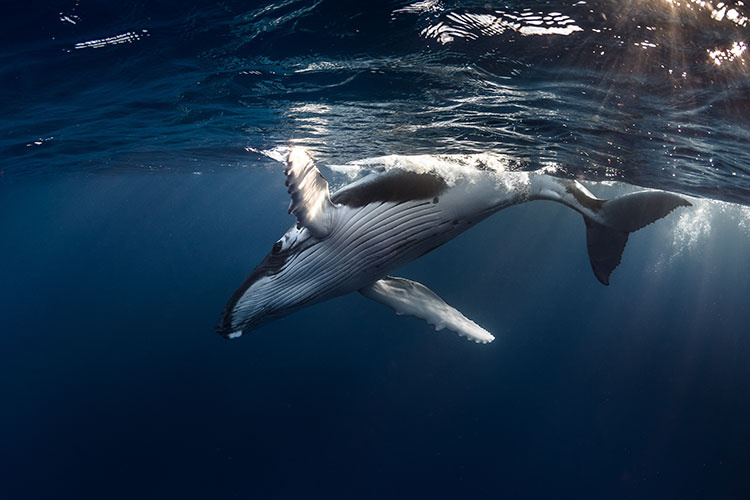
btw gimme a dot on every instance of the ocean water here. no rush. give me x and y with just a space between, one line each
135 198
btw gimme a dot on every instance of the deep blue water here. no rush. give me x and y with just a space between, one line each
134 201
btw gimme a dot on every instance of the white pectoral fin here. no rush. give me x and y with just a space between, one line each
311 201
409 298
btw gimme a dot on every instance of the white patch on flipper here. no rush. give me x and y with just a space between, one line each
311 202
234 335
409 298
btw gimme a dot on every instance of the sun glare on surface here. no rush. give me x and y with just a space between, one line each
720 13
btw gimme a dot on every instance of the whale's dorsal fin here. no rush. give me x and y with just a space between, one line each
311 201
409 298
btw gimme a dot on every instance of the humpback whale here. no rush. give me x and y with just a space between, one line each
353 239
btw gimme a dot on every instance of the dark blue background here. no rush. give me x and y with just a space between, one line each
114 384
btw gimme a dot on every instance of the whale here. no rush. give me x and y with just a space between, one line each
354 239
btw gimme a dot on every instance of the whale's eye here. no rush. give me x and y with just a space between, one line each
276 247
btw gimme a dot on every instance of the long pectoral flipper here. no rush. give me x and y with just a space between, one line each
409 298
311 201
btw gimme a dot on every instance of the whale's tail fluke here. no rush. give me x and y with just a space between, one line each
608 222
616 219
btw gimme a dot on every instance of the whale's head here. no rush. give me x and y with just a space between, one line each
291 276
332 249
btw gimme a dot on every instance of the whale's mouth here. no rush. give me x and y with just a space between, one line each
238 316
286 279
